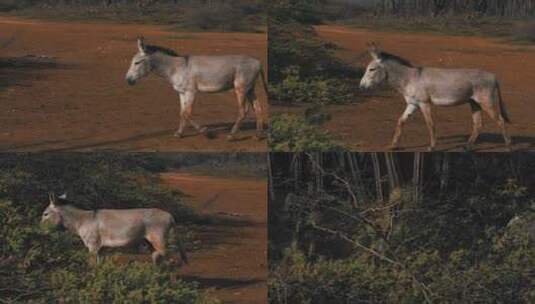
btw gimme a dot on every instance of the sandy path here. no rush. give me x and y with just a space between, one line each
369 125
233 255
84 103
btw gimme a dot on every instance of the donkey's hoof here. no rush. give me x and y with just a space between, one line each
430 149
468 148
231 137
393 148
203 130
178 135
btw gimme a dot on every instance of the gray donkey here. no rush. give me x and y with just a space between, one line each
190 75
422 87
113 227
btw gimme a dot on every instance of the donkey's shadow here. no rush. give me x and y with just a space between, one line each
519 143
217 129
458 143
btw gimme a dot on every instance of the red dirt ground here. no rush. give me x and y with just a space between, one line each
84 104
232 261
368 125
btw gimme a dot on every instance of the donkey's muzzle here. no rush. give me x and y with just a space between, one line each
130 81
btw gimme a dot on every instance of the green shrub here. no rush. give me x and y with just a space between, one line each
300 279
294 89
525 32
132 283
295 133
218 17
302 67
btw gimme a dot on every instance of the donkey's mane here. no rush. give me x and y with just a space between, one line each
65 202
151 49
402 61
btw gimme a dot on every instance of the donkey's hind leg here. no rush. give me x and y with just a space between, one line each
489 108
242 111
157 240
251 97
477 124
426 111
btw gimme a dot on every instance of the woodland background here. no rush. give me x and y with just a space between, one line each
401 228
191 15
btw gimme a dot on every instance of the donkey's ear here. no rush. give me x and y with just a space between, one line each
374 50
52 198
141 44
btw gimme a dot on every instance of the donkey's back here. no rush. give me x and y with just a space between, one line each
448 87
223 72
144 218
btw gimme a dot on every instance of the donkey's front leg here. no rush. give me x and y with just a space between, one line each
186 110
242 112
409 110
94 250
426 111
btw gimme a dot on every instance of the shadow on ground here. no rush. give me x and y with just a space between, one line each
15 71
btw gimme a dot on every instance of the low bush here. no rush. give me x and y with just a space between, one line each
300 133
218 17
525 32
303 68
294 89
455 279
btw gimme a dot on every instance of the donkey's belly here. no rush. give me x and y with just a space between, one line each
447 102
213 88
115 242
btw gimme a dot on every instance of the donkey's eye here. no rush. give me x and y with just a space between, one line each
138 62
373 69
46 214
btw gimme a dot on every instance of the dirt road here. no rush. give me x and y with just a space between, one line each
233 256
62 88
369 125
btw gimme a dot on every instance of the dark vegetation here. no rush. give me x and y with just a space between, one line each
301 133
190 15
401 228
510 19
251 165
303 71
303 68
41 266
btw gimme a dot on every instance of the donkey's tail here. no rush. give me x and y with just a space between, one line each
503 110
264 82
180 245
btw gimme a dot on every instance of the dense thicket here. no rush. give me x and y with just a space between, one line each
23 3
401 228
502 8
207 15
303 68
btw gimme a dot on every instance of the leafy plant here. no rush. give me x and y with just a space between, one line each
300 133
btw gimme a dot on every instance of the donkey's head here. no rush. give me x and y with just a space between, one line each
52 214
140 66
376 70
